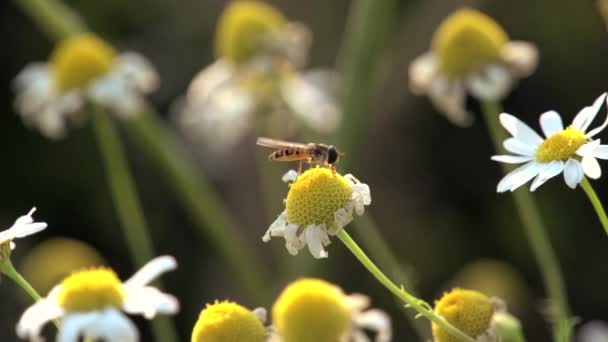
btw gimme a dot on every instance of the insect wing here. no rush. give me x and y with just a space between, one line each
280 144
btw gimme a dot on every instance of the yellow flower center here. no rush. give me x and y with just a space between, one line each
91 289
316 195
470 311
311 310
227 321
561 145
242 28
80 59
466 41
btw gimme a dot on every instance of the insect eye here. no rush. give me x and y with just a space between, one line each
332 155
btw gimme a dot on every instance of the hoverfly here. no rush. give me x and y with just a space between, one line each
311 153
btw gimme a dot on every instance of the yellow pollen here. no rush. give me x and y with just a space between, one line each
316 195
243 26
311 310
561 145
466 41
91 289
80 59
470 311
227 321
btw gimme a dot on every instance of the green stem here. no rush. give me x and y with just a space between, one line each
534 229
419 305
53 17
130 214
367 230
595 201
210 217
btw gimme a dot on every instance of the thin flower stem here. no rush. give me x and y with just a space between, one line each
419 305
130 214
595 201
535 231
53 17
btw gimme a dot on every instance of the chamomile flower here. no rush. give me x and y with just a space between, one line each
259 54
471 312
22 227
470 53
229 321
89 302
310 310
319 203
571 150
82 69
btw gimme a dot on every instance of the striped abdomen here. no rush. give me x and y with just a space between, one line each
289 154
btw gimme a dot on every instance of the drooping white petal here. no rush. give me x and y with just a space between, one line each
138 71
22 227
583 119
290 176
152 270
449 98
343 217
591 167
37 315
314 104
117 94
551 170
516 146
376 321
107 325
148 301
422 71
520 130
316 238
598 129
551 123
493 83
519 176
511 159
573 173
520 57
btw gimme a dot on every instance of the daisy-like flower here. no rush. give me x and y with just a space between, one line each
229 321
22 227
571 150
256 74
310 310
470 53
89 302
471 312
320 202
82 69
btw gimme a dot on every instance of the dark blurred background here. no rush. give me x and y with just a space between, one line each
433 191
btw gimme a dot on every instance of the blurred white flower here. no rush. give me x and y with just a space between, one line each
89 303
594 331
83 69
22 227
571 150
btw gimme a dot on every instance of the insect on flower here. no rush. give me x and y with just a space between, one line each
311 153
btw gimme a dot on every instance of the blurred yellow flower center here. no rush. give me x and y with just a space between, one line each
227 321
89 290
316 195
311 310
466 41
561 145
80 59
243 26
470 311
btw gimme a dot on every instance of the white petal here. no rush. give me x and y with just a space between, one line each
422 71
551 123
36 316
591 167
493 83
520 130
290 176
518 147
148 301
117 94
587 149
573 173
137 70
152 270
519 176
343 217
449 98
552 169
511 159
316 237
376 321
594 331
261 314
583 119
598 129
600 152
108 325
313 104
22 227
520 57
